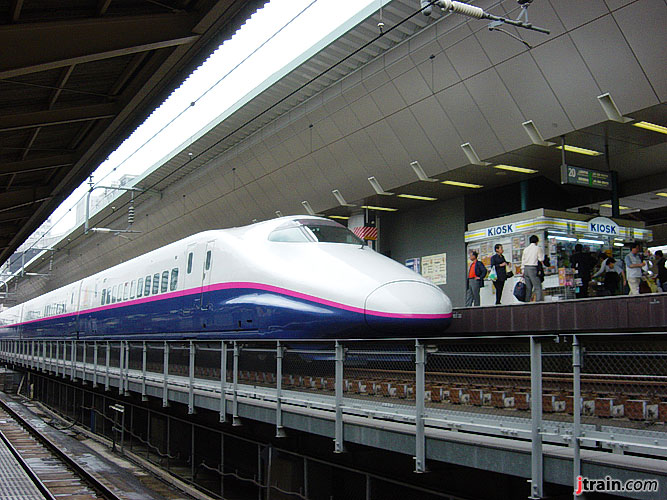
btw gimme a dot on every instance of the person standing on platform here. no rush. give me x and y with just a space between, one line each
532 254
500 264
476 275
583 263
612 275
633 265
660 262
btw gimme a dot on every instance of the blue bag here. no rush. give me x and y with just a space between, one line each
520 290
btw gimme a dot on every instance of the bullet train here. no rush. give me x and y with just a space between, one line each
298 277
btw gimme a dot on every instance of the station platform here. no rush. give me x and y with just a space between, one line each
638 313
457 401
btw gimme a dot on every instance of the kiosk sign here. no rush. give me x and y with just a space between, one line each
500 230
603 225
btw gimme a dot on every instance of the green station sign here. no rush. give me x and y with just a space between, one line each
585 177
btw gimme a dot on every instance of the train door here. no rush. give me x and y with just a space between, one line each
207 270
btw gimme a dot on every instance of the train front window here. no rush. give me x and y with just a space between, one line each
314 230
330 232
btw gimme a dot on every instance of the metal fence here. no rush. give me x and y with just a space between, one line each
604 392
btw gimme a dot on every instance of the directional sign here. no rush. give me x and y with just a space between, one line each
585 177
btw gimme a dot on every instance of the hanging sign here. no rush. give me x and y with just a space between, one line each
603 225
585 177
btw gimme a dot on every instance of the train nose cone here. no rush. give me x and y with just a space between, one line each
408 305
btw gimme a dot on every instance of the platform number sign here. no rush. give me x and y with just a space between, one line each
585 177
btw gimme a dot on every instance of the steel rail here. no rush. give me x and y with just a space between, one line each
100 488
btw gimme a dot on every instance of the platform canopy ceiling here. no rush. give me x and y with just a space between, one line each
77 77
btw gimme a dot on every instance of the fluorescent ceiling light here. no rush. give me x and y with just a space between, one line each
563 238
386 209
617 244
651 126
341 217
608 205
462 184
416 197
512 168
581 151
664 195
592 242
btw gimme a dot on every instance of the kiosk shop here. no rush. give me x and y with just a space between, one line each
559 232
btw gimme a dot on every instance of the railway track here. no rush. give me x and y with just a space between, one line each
52 474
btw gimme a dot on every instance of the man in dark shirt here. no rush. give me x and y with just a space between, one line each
583 263
662 270
498 261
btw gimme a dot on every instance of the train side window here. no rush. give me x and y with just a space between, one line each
113 294
140 287
126 291
173 283
147 286
165 281
208 260
190 256
108 295
156 283
104 296
133 287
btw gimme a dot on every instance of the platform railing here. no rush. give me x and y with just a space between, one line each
596 391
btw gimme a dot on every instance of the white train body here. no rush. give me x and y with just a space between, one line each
292 277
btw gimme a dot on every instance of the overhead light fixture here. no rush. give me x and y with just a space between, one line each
462 184
563 238
416 197
664 195
472 156
611 110
340 199
592 242
512 168
308 208
376 186
608 205
385 209
420 172
341 217
534 134
651 126
617 244
581 151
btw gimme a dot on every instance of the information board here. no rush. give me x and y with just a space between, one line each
434 267
585 177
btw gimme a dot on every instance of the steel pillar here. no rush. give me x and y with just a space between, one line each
536 481
339 447
95 355
165 376
420 439
280 350
576 408
143 371
121 364
235 401
191 380
223 381
108 363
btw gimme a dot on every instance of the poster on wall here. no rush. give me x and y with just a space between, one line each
434 267
413 264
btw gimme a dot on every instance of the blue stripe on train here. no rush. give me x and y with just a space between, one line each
233 313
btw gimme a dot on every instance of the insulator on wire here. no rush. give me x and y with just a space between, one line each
130 214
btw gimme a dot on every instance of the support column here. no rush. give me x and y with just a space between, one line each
223 382
191 380
143 372
235 402
95 353
108 363
576 408
73 362
536 481
126 385
121 364
280 432
420 438
165 376
338 434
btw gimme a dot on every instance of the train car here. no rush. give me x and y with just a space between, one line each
292 277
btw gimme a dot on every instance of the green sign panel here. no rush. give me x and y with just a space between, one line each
585 177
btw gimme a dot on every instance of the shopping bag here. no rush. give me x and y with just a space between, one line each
492 275
520 290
